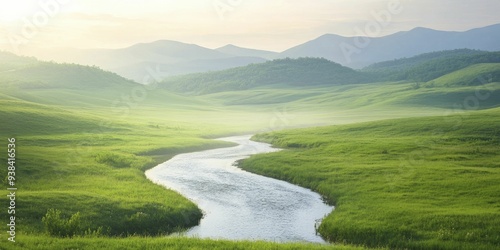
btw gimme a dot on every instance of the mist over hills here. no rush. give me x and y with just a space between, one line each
177 58
438 79
471 65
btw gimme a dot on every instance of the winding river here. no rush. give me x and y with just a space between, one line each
239 205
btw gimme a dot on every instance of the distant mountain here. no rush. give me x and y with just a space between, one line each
287 72
429 66
163 51
142 70
358 52
171 51
173 58
168 57
239 51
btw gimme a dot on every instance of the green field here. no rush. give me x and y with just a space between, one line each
84 138
417 183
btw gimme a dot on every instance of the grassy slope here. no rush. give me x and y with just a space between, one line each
82 150
474 75
69 162
414 183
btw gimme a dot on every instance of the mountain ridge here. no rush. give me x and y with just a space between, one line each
174 55
240 51
416 41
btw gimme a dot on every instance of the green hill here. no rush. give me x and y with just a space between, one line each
91 162
64 84
429 66
478 74
44 75
287 72
9 61
30 80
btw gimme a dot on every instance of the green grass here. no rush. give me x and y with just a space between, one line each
181 243
417 183
90 159
69 161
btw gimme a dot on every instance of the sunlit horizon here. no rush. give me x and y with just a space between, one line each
31 25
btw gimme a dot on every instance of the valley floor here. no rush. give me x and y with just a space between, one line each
416 183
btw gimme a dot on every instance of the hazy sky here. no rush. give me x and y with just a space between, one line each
265 24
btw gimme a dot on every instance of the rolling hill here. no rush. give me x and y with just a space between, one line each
44 75
300 72
474 75
450 78
63 84
428 66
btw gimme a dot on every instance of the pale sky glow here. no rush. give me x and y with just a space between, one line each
264 24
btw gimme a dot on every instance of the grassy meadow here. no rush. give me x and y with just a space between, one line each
414 183
66 161
429 180
91 161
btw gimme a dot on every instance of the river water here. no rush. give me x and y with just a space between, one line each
239 205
